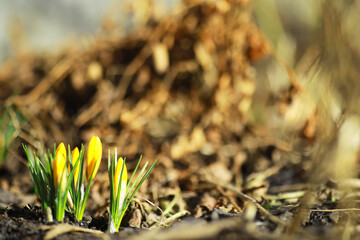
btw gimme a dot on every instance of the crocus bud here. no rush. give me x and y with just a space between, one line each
94 154
117 174
59 170
74 157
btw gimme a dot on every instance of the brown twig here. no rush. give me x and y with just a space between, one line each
231 199
57 73
337 210
54 231
247 198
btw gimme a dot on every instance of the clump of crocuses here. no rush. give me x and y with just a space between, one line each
121 191
59 181
61 186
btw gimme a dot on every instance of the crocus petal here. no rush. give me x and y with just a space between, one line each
117 174
59 170
74 157
94 154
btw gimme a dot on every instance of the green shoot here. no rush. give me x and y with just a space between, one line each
58 180
51 182
121 192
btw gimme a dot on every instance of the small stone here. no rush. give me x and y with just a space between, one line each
335 216
135 220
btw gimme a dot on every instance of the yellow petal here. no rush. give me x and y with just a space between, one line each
94 154
63 179
59 170
117 174
74 156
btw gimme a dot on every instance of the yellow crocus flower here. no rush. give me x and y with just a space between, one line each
94 154
117 174
74 157
59 170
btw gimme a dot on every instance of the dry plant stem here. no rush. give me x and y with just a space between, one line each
60 229
286 195
261 176
231 198
58 72
171 204
175 216
247 198
169 220
337 210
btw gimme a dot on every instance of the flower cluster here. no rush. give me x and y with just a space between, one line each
61 186
59 179
122 191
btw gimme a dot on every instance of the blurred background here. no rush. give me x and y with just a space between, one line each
259 94
48 26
